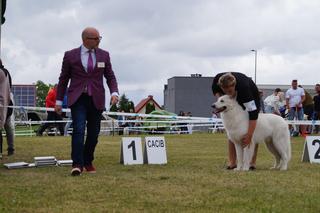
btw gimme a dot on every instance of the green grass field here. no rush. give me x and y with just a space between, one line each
194 180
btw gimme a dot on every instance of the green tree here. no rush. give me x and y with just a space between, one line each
131 106
150 107
42 91
113 108
124 103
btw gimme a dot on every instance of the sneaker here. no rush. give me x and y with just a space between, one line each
76 171
90 169
10 151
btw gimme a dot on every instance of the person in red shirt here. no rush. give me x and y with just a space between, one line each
52 115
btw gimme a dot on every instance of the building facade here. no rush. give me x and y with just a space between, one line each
24 95
189 94
141 106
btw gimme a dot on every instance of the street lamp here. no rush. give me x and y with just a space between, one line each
255 65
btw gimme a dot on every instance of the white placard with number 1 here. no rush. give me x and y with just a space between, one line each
311 149
131 151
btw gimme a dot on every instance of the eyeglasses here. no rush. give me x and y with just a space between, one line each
95 38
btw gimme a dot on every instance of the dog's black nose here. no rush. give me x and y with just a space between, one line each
213 106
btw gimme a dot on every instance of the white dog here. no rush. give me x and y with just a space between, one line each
271 129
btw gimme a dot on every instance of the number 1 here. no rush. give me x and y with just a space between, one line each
133 145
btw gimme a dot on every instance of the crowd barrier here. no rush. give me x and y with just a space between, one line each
165 124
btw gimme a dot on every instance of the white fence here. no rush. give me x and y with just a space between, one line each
142 123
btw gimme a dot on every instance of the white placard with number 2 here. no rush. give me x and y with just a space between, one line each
311 150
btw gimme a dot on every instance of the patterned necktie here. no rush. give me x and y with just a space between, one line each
89 70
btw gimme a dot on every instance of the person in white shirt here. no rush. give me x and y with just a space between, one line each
294 98
282 104
272 102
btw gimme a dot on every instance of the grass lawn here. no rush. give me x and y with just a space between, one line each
194 180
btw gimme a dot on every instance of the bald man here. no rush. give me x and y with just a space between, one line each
85 67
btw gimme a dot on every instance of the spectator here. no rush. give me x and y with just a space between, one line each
52 115
189 125
183 126
67 114
262 107
316 100
6 114
4 96
294 99
272 102
138 124
308 106
122 122
282 104
131 118
10 129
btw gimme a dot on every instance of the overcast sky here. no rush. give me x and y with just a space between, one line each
151 41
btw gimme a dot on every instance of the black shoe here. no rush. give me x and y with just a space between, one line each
252 168
231 167
10 151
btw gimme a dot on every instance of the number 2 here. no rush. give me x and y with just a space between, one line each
317 154
133 145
